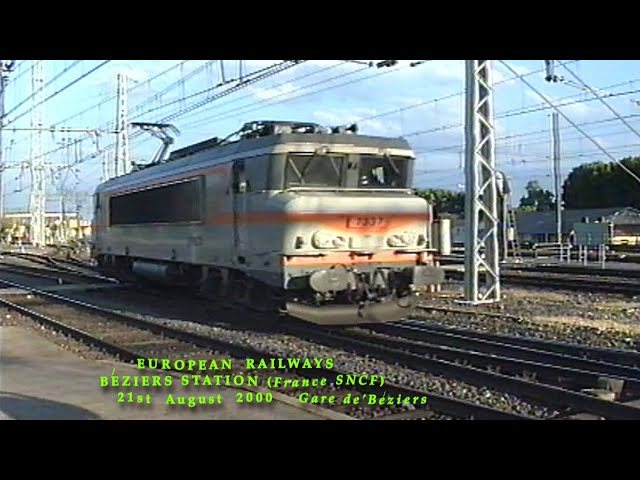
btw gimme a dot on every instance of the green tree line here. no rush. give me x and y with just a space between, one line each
591 185
443 201
602 185
447 201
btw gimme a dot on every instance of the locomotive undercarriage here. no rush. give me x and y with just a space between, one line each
333 296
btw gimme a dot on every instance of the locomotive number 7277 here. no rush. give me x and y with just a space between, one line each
367 222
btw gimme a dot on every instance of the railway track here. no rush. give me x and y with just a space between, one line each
518 343
38 273
449 352
59 276
446 361
563 282
577 270
70 265
129 338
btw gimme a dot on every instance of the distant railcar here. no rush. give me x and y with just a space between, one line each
292 216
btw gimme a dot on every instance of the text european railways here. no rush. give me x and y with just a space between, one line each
226 363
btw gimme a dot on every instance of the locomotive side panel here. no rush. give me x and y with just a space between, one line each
222 227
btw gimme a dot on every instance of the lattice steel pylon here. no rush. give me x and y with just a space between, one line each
37 160
121 158
5 69
482 262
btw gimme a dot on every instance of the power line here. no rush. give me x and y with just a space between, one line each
460 147
519 112
445 97
113 96
209 99
246 80
609 107
273 70
70 84
27 68
43 87
234 100
574 125
243 109
175 84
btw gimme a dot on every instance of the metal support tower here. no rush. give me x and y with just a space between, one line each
5 69
121 158
555 126
37 161
482 265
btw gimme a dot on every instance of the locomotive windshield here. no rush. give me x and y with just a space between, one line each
314 171
330 171
382 172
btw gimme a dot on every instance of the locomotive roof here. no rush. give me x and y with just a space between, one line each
207 153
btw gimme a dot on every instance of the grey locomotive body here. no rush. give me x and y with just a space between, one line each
322 224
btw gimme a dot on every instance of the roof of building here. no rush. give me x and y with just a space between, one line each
47 215
545 222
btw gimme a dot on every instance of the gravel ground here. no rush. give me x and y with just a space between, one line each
594 319
8 318
281 345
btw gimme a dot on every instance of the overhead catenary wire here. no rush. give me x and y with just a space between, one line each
15 107
519 112
245 83
105 126
277 68
113 96
454 170
377 115
243 110
276 86
247 78
288 93
236 99
595 142
276 96
609 107
59 91
439 128
179 82
501 140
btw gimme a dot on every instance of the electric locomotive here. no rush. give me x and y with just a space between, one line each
320 223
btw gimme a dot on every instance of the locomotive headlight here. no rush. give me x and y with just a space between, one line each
322 239
340 242
403 239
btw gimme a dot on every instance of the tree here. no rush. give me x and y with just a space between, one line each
443 201
602 185
537 199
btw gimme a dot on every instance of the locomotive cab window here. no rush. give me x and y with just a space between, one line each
382 172
314 171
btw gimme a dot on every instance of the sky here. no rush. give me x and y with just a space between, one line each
424 104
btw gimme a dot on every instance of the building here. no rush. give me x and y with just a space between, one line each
457 228
540 227
15 227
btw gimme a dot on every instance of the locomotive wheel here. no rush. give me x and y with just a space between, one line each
263 298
